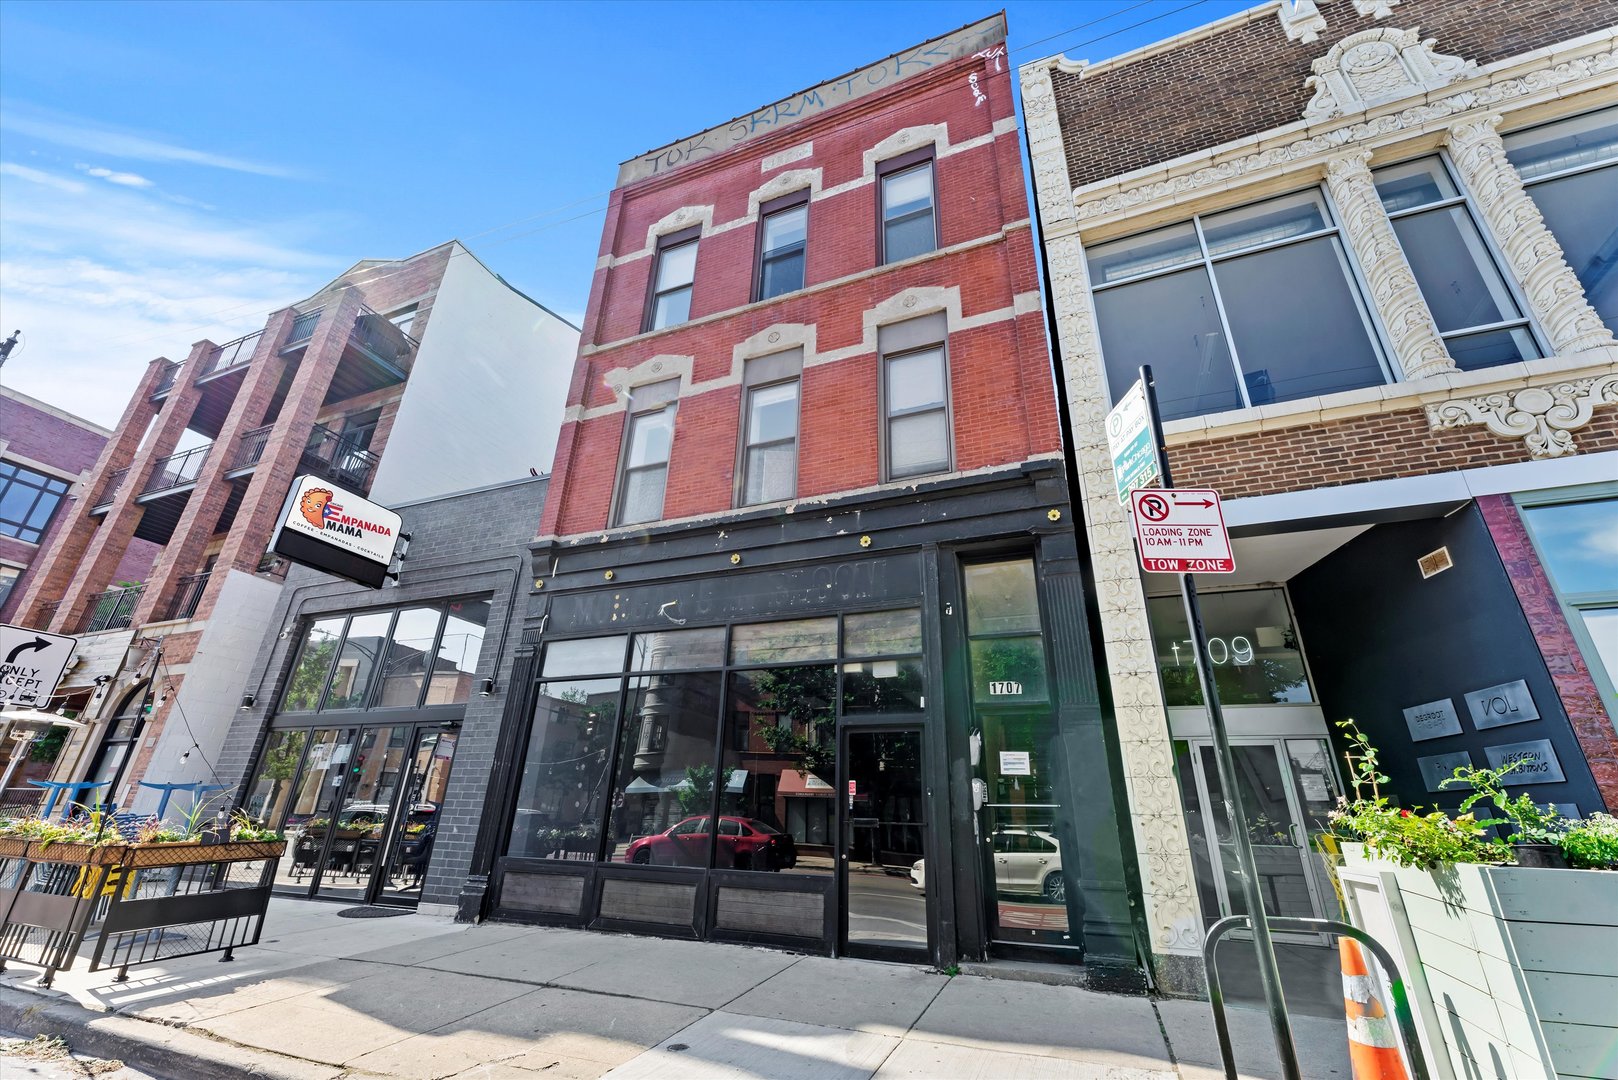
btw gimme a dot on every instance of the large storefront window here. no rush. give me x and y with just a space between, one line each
406 658
1575 541
724 752
1251 643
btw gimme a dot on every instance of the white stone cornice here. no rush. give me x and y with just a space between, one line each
1543 76
1543 417
1552 288
1416 342
1374 67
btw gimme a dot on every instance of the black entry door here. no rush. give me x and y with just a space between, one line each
884 845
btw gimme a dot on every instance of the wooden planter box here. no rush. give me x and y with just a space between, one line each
1513 971
182 853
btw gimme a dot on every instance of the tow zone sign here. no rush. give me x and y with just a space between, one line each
1181 531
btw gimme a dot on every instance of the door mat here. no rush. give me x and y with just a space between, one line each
372 912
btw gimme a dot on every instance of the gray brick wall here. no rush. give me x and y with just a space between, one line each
469 544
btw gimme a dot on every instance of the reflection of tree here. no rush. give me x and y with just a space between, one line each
1261 682
863 691
696 792
303 690
1019 660
804 696
279 765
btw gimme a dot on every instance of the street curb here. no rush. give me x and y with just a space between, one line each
168 1053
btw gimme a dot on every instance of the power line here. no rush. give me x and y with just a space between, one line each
1121 29
1082 26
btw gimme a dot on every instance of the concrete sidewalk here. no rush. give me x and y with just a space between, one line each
421 997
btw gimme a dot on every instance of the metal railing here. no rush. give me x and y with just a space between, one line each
231 354
166 381
251 447
303 326
176 470
47 612
109 488
187 595
339 459
112 610
376 335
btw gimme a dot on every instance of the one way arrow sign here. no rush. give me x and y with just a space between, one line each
31 664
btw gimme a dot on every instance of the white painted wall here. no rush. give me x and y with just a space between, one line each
211 694
485 397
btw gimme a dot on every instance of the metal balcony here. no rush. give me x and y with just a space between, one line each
251 447
166 381
187 595
112 610
176 471
230 355
303 328
338 459
109 491
383 342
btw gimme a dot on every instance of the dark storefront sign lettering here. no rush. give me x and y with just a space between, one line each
823 588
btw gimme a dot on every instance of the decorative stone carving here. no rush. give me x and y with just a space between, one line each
675 220
1551 286
1374 67
1301 20
1544 417
1377 9
1416 344
1051 184
1582 69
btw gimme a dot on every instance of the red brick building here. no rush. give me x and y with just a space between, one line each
381 382
1368 250
811 473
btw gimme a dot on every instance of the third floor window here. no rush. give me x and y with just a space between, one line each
909 226
676 268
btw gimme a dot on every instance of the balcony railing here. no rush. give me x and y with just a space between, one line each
379 337
230 354
112 610
177 470
109 489
339 459
166 381
303 327
188 595
251 447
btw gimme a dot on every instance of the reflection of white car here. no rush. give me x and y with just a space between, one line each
918 875
1029 861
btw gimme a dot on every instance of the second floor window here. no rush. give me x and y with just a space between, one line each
915 397
648 439
770 454
28 500
1475 310
782 248
676 269
1245 307
909 226
1570 169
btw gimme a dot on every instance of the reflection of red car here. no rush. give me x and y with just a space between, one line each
744 844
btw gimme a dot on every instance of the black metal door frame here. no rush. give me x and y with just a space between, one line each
399 816
928 834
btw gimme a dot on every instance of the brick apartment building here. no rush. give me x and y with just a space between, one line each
806 565
1369 250
384 382
45 454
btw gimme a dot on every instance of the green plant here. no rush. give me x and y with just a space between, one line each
1591 844
1400 835
243 829
156 831
695 792
1531 823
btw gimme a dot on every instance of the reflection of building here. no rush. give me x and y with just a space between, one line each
809 469
1376 286
374 711
400 380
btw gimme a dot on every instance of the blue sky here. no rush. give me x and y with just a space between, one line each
170 172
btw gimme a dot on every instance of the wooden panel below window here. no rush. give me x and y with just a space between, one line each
759 911
556 893
667 903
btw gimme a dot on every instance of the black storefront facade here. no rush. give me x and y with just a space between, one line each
870 726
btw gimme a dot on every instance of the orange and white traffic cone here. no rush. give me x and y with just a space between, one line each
1373 1042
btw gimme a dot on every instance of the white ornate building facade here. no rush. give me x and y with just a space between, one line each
1370 250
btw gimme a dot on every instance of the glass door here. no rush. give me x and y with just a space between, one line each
409 841
1022 842
1286 788
315 762
884 845
373 775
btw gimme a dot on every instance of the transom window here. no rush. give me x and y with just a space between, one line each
1570 169
672 279
909 226
1240 308
1476 311
397 658
28 501
783 245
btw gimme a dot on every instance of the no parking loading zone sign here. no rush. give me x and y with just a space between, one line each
1181 531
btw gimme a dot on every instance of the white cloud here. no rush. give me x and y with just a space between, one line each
101 278
125 179
86 135
39 176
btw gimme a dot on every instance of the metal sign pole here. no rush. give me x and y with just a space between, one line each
1268 972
